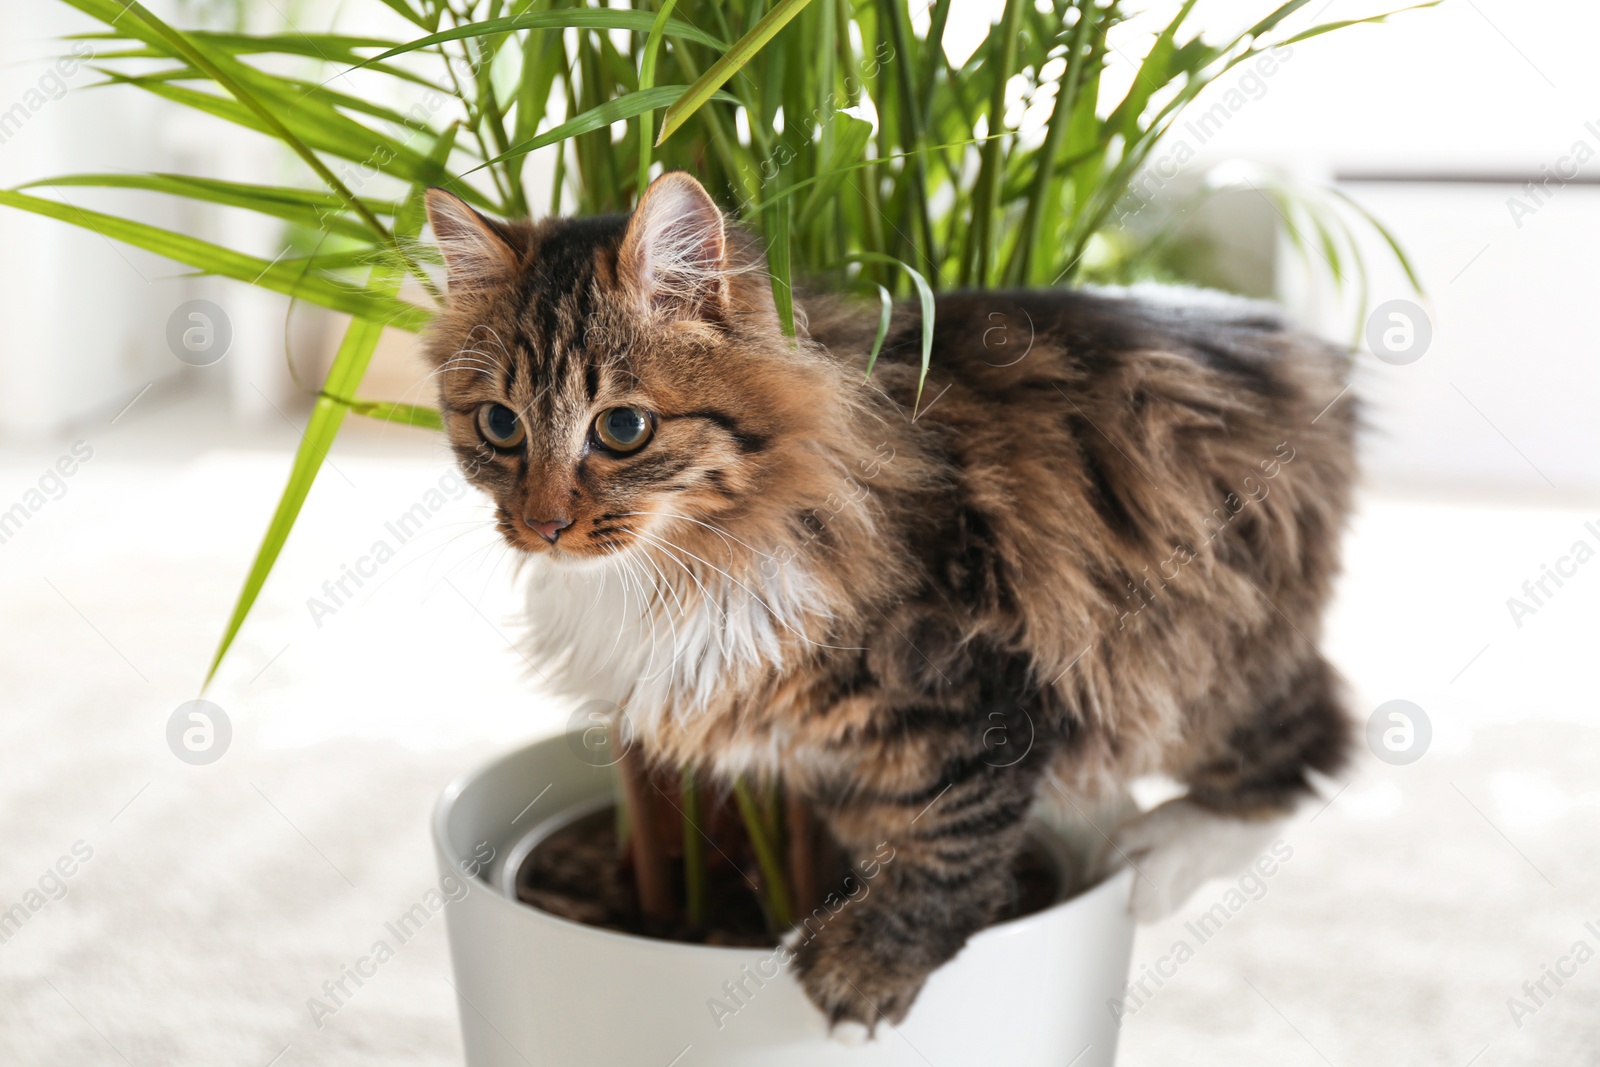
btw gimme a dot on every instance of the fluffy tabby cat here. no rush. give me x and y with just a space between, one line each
1098 548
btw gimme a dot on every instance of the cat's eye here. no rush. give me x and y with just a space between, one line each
622 429
500 425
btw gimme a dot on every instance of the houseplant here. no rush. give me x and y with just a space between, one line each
859 151
535 988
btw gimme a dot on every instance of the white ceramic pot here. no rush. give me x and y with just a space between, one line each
538 991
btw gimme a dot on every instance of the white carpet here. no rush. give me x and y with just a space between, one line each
219 898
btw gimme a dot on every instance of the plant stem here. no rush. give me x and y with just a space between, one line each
644 837
694 851
802 833
647 79
780 913
986 198
1035 212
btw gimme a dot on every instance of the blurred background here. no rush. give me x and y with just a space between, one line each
1424 902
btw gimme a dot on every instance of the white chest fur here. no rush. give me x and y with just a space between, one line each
659 639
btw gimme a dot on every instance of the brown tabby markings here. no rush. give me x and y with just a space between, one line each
1111 554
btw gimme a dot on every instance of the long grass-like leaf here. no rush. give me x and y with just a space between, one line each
885 316
986 197
780 265
849 146
315 211
227 72
743 50
392 411
322 130
591 18
924 298
1389 239
328 47
694 848
780 910
597 117
337 396
647 79
367 302
355 351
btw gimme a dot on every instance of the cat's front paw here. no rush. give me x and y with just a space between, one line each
855 986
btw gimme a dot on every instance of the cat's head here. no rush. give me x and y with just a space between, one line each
622 382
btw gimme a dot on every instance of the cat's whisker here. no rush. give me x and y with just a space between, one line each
672 623
499 343
474 357
654 620
622 622
627 573
671 586
725 535
781 621
508 551
670 550
423 554
705 594
433 553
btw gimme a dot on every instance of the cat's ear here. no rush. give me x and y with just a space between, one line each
674 256
476 253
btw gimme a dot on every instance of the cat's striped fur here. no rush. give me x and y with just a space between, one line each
1098 548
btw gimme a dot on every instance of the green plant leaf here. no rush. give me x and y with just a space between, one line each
406 11
379 306
337 396
743 50
694 848
779 265
647 79
325 130
1340 24
392 411
885 315
779 909
1389 239
312 210
235 78
597 117
331 48
850 145
1001 63
591 18
924 297
360 339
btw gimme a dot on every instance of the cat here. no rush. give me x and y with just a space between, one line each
1095 545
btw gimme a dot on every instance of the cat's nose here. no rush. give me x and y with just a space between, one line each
548 530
